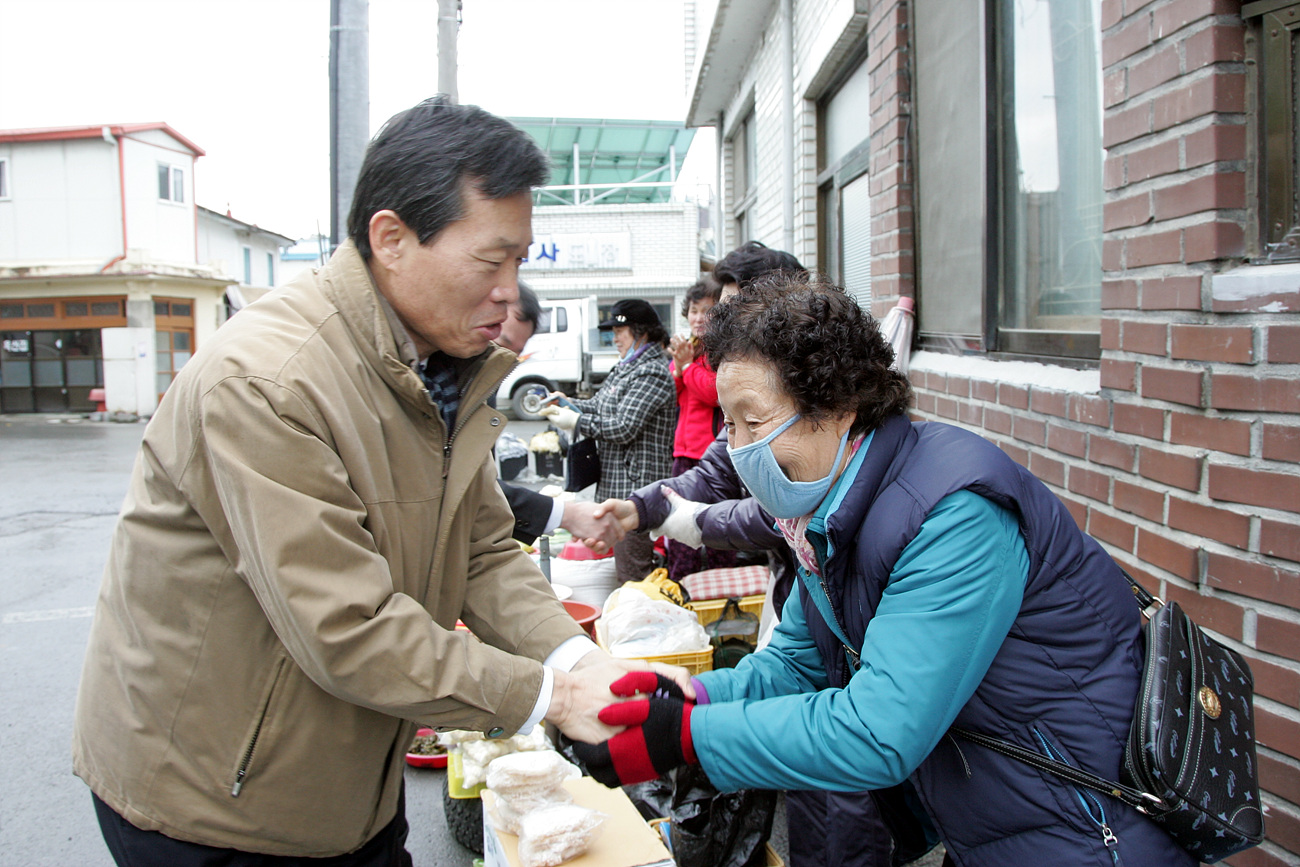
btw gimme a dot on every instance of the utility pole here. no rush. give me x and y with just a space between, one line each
448 25
349 106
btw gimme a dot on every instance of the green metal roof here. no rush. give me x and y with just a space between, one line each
615 162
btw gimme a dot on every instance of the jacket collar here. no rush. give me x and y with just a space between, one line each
347 283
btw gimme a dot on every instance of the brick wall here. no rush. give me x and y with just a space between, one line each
892 265
1185 462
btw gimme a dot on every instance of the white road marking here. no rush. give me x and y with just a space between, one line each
49 614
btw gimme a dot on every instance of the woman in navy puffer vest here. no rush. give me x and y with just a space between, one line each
940 584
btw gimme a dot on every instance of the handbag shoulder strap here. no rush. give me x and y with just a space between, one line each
1147 602
1143 801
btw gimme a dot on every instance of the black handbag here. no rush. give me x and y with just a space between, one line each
1190 760
582 470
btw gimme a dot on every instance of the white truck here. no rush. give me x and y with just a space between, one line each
564 354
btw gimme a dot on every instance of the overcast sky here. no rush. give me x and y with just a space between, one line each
248 80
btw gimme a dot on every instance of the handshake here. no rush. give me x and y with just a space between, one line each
658 734
600 525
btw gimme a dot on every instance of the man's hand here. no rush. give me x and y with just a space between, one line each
579 695
623 511
675 673
560 416
680 523
580 519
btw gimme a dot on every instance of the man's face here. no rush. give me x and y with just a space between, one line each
515 331
728 290
453 294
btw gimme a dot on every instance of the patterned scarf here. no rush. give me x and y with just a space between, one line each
442 379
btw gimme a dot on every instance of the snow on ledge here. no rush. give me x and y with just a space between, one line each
1022 373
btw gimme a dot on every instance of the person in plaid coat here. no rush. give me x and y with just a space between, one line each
632 418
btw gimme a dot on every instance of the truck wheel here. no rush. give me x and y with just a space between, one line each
464 819
517 400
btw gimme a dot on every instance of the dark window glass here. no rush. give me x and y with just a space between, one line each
40 311
106 308
1278 84
76 308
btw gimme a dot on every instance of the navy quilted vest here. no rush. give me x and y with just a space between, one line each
1065 680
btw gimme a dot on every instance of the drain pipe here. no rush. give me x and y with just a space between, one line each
719 227
119 138
787 126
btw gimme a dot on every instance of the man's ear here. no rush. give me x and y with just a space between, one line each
387 234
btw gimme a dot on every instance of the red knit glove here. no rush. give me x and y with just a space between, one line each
658 738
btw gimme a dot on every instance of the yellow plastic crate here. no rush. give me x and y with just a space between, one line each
710 610
693 661
456 777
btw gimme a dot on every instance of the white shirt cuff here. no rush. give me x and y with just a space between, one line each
564 658
557 515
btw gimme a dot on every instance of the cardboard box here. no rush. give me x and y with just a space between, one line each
773 858
623 840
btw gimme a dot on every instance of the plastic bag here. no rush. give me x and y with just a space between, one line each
637 626
530 779
552 835
477 752
709 828
510 446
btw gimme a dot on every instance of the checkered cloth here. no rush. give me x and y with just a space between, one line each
443 381
727 582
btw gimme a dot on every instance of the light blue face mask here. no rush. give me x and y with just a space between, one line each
767 482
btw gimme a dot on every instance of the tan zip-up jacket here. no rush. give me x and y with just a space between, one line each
278 609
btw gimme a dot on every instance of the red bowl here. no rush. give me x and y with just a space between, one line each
421 760
583 613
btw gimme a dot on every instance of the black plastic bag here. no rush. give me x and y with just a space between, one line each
709 828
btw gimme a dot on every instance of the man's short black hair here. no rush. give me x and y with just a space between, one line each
530 309
420 165
752 260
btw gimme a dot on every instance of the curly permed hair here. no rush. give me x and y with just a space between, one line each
827 354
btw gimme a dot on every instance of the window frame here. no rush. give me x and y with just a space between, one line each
175 183
744 167
1056 346
988 337
1275 124
834 177
4 179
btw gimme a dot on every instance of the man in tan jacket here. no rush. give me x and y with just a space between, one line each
313 507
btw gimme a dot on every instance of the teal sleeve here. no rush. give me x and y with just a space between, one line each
951 600
790 663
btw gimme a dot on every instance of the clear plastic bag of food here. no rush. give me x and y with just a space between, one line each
637 626
531 772
551 835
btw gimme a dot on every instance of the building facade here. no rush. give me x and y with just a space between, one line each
110 274
1094 205
638 250
612 222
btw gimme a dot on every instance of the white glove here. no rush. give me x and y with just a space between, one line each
560 416
680 525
